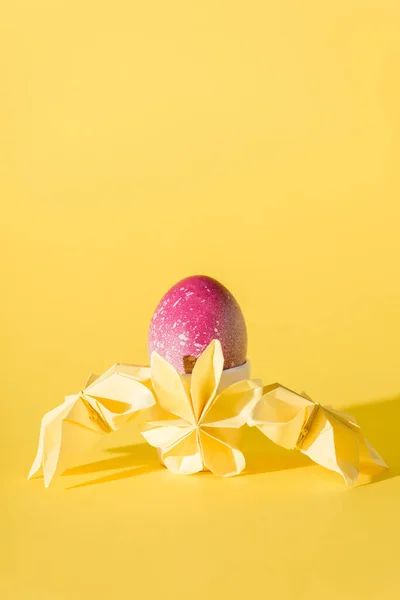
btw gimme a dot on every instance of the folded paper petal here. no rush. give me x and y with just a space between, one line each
206 377
69 430
219 456
65 434
280 415
121 392
164 434
232 406
335 448
329 437
169 389
184 457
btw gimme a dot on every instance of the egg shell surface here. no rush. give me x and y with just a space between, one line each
190 315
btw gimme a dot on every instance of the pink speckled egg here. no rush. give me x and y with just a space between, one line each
192 313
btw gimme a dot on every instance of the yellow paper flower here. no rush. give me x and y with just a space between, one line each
331 438
197 427
105 404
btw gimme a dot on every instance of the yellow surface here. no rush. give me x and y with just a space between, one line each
256 142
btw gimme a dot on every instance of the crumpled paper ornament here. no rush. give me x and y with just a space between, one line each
331 438
105 404
194 426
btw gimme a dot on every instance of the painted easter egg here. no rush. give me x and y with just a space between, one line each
192 313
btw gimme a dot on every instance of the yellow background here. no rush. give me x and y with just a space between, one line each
257 142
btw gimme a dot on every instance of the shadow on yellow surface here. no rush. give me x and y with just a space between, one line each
378 420
134 460
263 456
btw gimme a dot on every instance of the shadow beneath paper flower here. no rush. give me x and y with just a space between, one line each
263 456
134 460
379 422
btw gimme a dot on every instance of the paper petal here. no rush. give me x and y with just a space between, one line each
278 405
232 406
219 457
334 446
121 393
75 440
343 416
206 377
184 458
122 390
370 461
66 433
169 388
227 435
163 434
49 418
118 414
282 433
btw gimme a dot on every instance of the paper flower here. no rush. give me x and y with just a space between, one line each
198 427
105 404
329 437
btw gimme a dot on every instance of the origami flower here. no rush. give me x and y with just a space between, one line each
105 404
196 426
329 437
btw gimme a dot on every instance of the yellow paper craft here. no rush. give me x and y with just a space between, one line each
329 437
198 428
105 404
